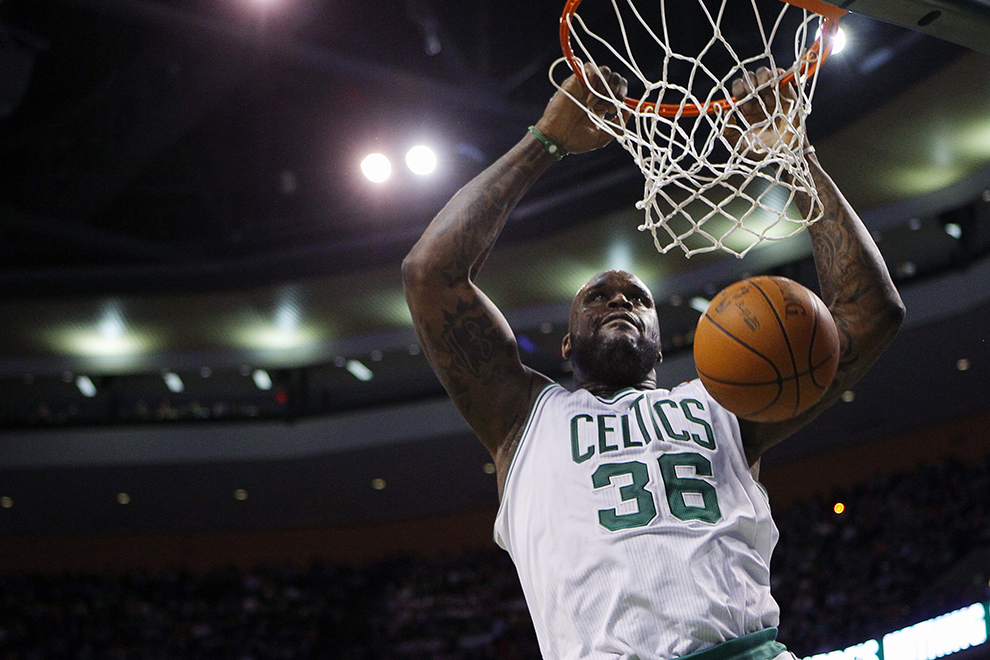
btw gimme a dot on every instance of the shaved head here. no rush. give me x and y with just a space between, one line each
614 334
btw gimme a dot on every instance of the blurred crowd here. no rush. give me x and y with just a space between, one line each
886 561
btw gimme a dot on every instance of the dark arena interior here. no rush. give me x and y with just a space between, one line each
219 436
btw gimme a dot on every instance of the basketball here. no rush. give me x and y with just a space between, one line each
766 348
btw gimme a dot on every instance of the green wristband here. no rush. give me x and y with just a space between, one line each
552 147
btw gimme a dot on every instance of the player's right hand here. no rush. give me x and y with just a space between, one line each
569 125
759 122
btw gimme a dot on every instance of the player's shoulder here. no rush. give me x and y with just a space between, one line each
690 388
694 390
548 389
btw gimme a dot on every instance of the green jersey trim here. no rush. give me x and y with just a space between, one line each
612 400
763 489
762 645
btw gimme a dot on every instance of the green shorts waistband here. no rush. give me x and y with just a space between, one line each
762 645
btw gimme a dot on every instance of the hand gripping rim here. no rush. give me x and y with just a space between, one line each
809 62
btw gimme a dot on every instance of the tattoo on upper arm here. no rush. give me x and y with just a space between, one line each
454 271
469 348
469 339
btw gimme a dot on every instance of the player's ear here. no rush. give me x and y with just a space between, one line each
565 347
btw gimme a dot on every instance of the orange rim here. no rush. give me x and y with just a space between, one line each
809 63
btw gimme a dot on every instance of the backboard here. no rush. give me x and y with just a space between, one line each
965 22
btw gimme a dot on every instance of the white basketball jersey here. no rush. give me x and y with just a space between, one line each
635 525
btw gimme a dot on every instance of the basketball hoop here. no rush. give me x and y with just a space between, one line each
703 191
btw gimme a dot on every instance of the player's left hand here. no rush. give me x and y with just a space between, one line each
761 121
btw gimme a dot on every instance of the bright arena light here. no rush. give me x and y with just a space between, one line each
93 344
173 382
262 379
376 167
86 386
838 42
421 160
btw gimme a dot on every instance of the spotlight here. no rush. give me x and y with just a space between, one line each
173 382
359 370
839 42
376 167
261 379
421 160
86 386
699 304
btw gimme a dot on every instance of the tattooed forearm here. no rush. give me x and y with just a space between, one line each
860 295
854 280
459 239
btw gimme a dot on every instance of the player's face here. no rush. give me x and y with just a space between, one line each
614 331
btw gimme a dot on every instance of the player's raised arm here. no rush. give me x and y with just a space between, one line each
854 284
465 338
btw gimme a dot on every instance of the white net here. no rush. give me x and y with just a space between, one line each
714 181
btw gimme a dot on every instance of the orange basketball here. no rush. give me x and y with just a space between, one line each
766 348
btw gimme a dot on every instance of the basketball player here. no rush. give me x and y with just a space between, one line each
632 513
